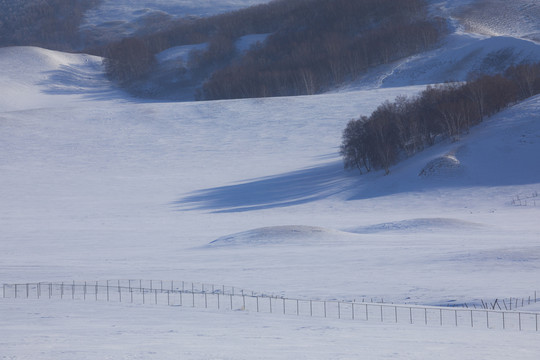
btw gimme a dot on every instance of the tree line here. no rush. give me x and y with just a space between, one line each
313 44
323 43
399 129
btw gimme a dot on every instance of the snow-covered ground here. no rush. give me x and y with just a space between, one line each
96 185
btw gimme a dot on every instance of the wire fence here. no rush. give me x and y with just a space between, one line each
526 199
197 295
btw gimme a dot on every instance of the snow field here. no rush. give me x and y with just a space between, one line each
66 330
95 185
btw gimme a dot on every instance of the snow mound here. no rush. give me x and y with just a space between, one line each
443 166
417 225
288 234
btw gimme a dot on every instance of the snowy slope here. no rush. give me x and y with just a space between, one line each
97 185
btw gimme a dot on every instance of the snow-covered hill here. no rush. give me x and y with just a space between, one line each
95 185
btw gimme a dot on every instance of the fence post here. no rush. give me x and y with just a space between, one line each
410 314
311 308
382 318
339 310
50 290
425 315
440 313
472 321
27 290
38 290
325 308
487 319
367 315
283 306
519 316
218 300
155 295
257 303
107 290
231 301
352 310
504 323
205 301
455 313
270 302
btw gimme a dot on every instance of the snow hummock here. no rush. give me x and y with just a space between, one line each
286 234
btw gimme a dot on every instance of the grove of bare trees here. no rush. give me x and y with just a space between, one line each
399 129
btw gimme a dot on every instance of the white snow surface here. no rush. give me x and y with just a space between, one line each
96 185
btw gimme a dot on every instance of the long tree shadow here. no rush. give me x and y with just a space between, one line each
293 188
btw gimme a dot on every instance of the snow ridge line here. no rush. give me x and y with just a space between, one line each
190 296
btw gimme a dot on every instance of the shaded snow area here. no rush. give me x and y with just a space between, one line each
96 185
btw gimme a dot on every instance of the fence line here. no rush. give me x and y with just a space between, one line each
526 200
197 295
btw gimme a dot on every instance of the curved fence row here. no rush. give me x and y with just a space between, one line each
196 295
